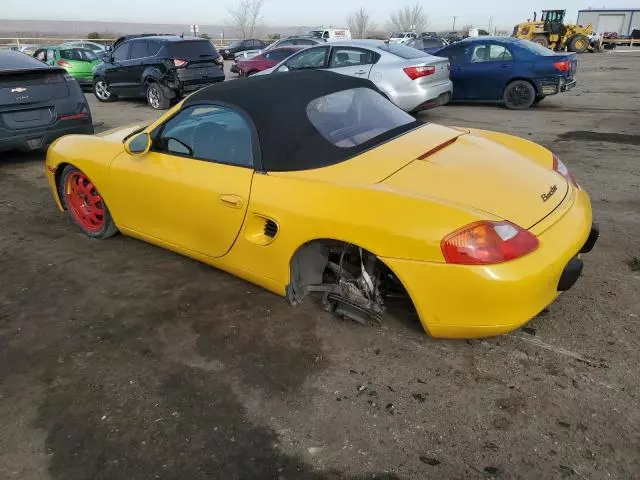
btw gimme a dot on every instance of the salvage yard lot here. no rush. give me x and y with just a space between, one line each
119 360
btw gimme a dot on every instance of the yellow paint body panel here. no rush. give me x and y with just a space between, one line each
384 200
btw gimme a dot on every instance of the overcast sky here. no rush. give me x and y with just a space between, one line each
289 12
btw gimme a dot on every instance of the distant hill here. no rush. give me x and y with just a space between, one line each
46 28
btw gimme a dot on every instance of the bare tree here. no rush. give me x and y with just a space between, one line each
409 18
360 23
245 16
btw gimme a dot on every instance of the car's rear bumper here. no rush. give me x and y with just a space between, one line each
458 301
553 85
84 80
35 138
192 87
421 97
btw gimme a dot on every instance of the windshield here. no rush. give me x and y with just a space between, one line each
430 43
536 48
235 44
192 50
316 33
352 117
397 35
95 48
402 51
79 54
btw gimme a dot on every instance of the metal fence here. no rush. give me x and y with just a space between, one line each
18 43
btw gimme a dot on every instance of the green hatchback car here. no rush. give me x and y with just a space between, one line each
78 62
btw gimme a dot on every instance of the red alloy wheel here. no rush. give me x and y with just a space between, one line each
85 202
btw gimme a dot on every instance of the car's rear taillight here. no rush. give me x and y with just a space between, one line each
418 72
561 169
487 243
75 116
62 63
178 62
562 66
219 60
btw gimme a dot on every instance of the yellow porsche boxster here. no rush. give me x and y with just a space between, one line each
312 182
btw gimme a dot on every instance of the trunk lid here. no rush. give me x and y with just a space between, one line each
29 86
545 65
486 176
376 164
440 65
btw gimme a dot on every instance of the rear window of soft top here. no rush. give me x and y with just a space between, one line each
192 49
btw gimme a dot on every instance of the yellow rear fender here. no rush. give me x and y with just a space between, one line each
92 155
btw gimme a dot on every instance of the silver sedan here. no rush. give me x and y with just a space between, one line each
410 78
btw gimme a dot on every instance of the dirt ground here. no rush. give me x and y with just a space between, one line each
119 360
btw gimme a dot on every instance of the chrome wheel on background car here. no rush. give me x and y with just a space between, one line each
156 98
102 92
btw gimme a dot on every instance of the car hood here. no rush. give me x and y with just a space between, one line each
117 135
485 175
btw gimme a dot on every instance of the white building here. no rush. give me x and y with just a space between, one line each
622 21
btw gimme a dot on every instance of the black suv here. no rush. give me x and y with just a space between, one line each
240 46
160 67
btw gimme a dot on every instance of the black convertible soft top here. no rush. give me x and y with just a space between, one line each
277 104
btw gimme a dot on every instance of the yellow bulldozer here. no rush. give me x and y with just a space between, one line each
551 32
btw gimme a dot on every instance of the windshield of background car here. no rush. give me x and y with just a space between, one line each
397 35
316 33
235 44
79 54
536 48
312 58
191 50
352 117
402 51
430 43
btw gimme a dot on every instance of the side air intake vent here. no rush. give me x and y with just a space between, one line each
270 228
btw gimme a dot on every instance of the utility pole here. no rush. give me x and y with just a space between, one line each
453 29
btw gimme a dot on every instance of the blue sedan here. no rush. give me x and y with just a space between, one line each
517 73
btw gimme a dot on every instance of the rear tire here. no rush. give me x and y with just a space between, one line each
541 40
578 43
156 97
84 204
102 91
519 95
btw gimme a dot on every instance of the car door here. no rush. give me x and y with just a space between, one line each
489 67
133 67
115 71
192 188
308 59
458 59
355 62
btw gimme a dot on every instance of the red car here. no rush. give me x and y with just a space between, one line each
268 59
